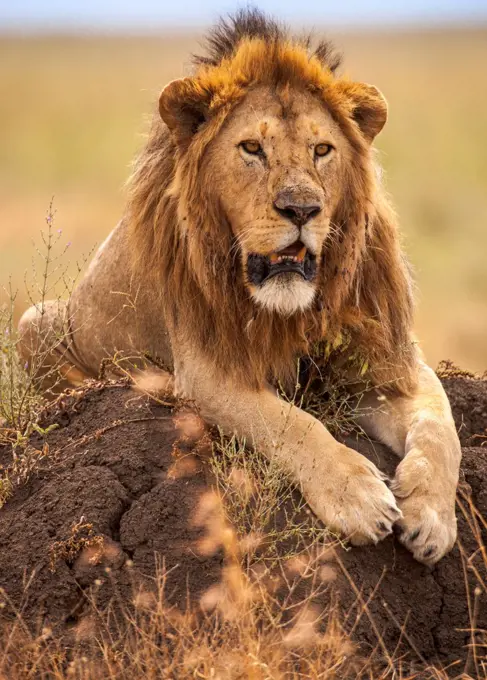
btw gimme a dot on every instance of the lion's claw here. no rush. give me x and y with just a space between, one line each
427 529
360 505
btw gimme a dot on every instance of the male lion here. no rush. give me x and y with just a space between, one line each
256 227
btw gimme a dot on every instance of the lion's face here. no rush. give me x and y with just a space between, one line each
275 148
276 168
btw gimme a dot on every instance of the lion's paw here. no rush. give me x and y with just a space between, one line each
428 527
358 504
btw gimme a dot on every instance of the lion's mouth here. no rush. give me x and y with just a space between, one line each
296 259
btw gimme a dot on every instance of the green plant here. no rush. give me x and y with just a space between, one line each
21 397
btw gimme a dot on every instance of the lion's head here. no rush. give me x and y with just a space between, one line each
257 199
278 167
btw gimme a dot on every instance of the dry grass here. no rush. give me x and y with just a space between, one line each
241 629
239 632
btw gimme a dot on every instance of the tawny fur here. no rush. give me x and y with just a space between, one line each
181 237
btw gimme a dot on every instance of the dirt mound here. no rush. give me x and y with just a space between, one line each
107 473
468 399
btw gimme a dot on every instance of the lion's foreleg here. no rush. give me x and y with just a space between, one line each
344 489
420 429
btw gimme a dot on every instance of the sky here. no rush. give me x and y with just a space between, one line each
108 15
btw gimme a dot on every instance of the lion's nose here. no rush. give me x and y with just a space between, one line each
298 213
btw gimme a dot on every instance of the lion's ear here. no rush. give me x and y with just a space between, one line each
369 108
183 106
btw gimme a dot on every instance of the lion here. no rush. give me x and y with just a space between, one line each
257 229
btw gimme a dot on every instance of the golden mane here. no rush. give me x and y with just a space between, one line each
181 239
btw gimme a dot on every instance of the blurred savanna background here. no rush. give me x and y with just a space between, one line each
78 84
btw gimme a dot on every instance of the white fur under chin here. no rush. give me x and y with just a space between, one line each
283 296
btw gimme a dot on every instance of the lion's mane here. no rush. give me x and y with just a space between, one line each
181 239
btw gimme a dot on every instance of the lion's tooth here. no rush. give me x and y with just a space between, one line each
273 258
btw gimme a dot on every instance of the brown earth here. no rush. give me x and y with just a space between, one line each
108 465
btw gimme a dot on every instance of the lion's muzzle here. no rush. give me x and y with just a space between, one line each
294 259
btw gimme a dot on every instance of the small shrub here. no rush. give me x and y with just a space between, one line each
21 395
82 537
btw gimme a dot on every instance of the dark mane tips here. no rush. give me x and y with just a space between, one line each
326 53
223 39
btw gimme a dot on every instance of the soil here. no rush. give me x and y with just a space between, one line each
109 464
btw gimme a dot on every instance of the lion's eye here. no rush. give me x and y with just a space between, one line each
251 146
323 149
